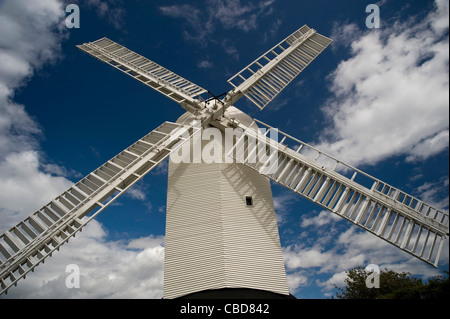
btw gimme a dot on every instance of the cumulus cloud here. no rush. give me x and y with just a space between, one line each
338 279
24 187
391 96
348 248
323 218
31 33
107 269
299 256
30 36
296 280
25 41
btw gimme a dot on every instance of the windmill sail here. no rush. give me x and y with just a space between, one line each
266 77
399 218
178 89
27 244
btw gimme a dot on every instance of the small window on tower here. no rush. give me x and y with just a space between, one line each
249 200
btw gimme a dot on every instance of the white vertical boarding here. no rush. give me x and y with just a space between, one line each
214 238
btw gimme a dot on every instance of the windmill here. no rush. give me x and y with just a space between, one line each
221 231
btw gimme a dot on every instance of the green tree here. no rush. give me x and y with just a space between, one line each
393 285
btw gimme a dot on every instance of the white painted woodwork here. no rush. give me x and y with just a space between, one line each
213 239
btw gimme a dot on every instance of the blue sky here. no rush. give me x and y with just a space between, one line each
376 98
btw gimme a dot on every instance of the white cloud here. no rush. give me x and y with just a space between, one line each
145 242
25 40
349 248
31 33
108 269
323 218
24 188
429 193
439 19
429 146
58 170
137 192
185 11
296 280
30 36
306 257
338 279
391 97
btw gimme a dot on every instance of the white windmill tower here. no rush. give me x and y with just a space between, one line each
221 231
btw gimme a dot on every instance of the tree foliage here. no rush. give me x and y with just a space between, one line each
393 285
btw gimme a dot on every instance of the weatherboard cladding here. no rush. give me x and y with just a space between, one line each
213 239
